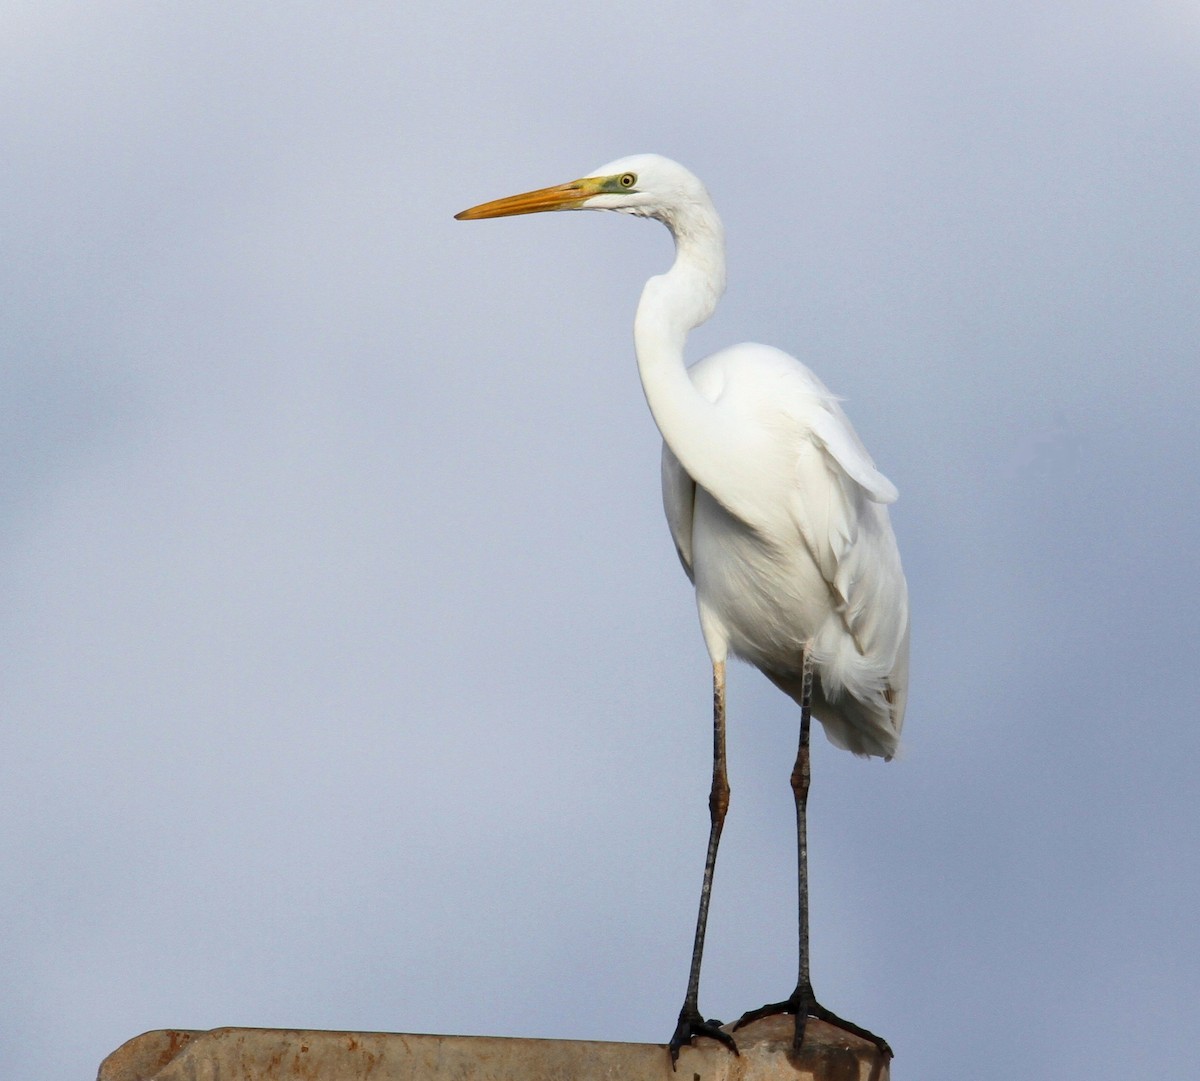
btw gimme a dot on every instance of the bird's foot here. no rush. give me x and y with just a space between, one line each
803 1004
691 1025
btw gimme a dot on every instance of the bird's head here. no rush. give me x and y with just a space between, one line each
645 184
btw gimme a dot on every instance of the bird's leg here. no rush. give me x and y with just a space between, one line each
691 1024
802 1002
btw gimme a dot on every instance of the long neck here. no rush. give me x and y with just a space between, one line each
707 444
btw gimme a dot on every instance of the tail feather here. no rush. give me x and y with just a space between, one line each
867 728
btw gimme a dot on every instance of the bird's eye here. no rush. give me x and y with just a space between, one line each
627 180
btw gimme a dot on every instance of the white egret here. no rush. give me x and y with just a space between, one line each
779 517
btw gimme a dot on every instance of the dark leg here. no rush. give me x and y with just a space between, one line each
691 1024
802 1002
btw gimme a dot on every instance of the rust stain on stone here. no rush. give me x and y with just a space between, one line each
176 1042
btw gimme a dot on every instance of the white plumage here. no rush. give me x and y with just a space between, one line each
818 565
778 514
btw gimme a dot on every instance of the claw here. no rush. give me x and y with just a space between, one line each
804 1005
692 1025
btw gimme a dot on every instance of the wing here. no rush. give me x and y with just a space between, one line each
679 501
678 488
839 507
832 430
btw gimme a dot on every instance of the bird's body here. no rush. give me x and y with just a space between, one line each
814 564
778 514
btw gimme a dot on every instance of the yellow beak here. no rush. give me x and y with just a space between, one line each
560 197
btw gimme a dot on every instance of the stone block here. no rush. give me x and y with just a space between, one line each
255 1054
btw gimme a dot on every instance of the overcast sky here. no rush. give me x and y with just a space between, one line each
348 678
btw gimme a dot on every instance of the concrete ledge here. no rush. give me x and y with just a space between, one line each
296 1055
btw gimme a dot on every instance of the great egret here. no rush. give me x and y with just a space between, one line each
779 517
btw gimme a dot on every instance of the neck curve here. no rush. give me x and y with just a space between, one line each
709 446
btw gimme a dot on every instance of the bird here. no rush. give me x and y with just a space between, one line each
780 520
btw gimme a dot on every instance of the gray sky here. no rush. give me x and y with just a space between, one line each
349 678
